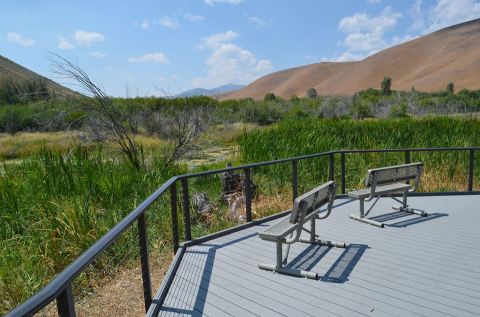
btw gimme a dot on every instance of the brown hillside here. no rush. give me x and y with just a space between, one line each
10 69
428 63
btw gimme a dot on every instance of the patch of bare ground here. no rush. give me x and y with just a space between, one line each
119 294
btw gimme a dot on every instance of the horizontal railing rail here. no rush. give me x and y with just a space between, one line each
60 288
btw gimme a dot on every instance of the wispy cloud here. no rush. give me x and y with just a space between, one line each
156 57
194 17
96 54
374 1
64 44
169 22
447 12
145 25
213 2
85 38
14 37
215 40
258 22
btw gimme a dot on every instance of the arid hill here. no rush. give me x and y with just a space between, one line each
10 69
427 63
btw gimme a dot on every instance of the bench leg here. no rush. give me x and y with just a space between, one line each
362 216
405 208
279 268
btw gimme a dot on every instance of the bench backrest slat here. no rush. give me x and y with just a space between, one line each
392 174
312 200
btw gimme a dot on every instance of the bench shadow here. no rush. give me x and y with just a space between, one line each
407 222
345 264
309 257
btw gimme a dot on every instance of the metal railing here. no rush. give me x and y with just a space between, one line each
60 288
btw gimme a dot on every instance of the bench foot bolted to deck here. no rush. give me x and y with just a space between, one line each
411 210
306 208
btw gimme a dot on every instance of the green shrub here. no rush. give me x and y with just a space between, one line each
270 96
386 86
312 93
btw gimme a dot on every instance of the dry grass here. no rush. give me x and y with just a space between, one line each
25 144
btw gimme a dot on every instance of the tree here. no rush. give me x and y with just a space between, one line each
386 85
312 93
450 88
270 96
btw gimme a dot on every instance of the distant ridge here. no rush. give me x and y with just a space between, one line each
210 92
427 63
12 70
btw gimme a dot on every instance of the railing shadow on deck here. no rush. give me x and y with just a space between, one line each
203 261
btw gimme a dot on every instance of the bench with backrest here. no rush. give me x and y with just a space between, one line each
306 208
387 182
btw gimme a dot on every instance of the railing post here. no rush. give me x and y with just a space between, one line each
173 209
65 302
407 157
143 240
248 195
407 160
342 166
294 179
331 167
471 163
186 209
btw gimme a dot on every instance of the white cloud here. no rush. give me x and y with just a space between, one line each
230 63
215 40
96 54
85 38
258 22
365 33
418 16
344 57
157 57
447 12
168 22
374 1
213 2
145 25
194 17
64 44
14 37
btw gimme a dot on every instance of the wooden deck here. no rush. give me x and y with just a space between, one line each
414 266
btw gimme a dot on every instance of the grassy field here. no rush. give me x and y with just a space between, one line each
57 198
301 137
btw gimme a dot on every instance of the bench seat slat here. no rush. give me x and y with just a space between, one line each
278 231
381 189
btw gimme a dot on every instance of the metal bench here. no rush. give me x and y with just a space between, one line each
305 208
388 181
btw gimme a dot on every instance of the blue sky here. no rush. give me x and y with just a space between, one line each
144 47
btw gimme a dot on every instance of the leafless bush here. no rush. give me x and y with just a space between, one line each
105 117
335 107
182 128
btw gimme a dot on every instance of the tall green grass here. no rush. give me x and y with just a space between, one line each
307 136
54 207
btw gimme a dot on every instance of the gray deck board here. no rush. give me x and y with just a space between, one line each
412 267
